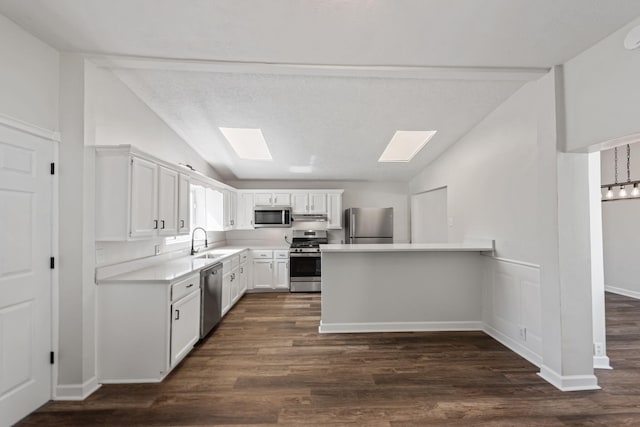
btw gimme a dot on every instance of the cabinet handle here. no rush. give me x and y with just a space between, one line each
232 222
189 285
177 315
270 201
241 270
270 266
162 221
307 208
182 223
155 224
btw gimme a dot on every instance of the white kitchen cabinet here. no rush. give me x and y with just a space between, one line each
245 211
243 275
184 211
230 283
229 204
334 211
185 326
136 197
270 269
144 198
309 202
167 202
279 198
226 292
263 273
145 329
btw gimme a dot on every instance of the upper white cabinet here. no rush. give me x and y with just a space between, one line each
245 210
263 198
334 210
136 197
309 202
167 202
184 214
230 209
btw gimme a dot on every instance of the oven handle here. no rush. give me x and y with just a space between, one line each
302 254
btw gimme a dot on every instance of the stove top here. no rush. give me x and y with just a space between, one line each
308 240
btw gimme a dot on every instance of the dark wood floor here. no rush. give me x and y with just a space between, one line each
266 365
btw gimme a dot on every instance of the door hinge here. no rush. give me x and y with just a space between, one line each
51 357
53 168
52 263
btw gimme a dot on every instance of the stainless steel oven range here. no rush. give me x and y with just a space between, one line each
304 260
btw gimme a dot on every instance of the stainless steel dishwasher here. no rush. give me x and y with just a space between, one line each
211 306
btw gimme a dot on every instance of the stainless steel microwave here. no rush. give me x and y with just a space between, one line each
269 216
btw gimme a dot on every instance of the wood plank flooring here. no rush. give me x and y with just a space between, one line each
267 365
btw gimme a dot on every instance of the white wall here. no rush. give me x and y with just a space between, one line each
356 194
621 230
28 77
602 93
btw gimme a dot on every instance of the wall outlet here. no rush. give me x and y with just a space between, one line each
598 349
157 249
522 333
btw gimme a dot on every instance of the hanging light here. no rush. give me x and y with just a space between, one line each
636 191
623 191
609 194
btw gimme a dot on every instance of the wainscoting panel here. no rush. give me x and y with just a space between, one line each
512 306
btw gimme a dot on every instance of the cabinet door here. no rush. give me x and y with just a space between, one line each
144 198
318 203
243 281
282 199
281 274
334 211
184 191
300 203
227 210
235 286
226 293
167 202
263 274
263 199
185 326
245 211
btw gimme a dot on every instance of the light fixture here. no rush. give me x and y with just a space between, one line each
249 144
405 144
622 194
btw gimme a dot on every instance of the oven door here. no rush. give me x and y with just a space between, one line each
304 272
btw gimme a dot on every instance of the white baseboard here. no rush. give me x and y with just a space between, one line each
77 391
601 362
513 345
623 292
344 328
569 382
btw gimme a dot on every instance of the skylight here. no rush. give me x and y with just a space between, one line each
249 144
405 144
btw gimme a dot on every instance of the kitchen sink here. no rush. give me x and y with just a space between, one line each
216 253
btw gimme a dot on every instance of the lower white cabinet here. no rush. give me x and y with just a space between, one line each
185 325
270 269
234 273
145 329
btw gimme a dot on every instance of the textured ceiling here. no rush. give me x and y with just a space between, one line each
334 121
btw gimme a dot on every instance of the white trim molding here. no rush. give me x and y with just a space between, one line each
77 391
34 130
513 345
523 74
569 382
346 328
623 292
601 362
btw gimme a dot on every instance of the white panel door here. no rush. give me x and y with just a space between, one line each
282 274
184 223
334 211
185 326
245 211
25 275
300 203
263 199
281 199
144 198
262 274
168 202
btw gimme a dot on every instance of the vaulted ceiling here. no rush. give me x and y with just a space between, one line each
328 81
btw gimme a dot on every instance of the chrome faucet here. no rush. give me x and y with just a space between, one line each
193 233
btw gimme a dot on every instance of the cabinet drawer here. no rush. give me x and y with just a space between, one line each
281 254
262 254
235 261
185 286
244 256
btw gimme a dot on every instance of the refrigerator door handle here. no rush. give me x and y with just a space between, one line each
353 226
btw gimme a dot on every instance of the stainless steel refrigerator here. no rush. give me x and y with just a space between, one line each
368 225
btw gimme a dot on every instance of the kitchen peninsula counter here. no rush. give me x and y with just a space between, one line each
402 287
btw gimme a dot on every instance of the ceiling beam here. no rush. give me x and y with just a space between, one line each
379 71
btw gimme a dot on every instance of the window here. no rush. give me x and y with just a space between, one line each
207 208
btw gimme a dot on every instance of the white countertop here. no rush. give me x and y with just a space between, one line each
174 269
475 246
